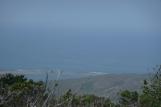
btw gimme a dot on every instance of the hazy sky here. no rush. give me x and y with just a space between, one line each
131 15
95 35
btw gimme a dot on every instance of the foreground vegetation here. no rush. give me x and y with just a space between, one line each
18 91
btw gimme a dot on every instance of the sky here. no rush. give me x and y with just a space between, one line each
87 35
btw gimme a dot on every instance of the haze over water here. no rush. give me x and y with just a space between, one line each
81 36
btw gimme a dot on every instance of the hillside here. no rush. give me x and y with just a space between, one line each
103 85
